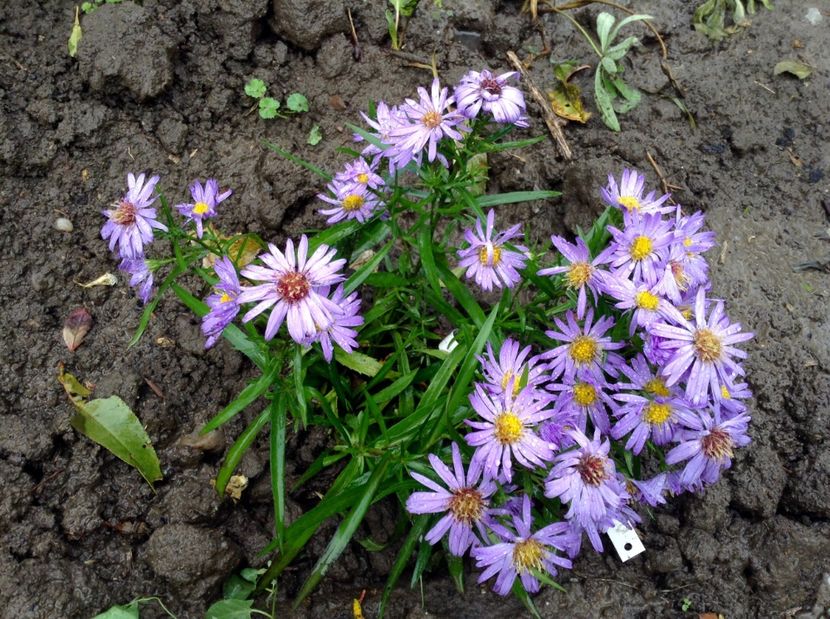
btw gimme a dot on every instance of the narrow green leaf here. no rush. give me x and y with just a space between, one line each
604 102
298 372
75 38
238 449
500 146
301 162
515 196
245 398
384 396
425 243
524 597
455 565
277 464
624 22
415 532
144 321
359 276
604 23
461 294
345 531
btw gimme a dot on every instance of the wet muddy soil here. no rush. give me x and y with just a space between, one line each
158 86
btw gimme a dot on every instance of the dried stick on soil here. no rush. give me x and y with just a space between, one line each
659 172
551 120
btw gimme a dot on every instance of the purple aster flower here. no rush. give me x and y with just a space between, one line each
730 403
655 350
487 260
586 478
556 430
687 232
641 298
350 201
223 303
681 272
465 500
387 120
583 348
141 277
703 351
485 91
131 221
522 552
340 329
646 418
510 367
205 200
360 172
429 121
708 444
580 274
587 396
649 491
639 248
507 431
289 288
628 195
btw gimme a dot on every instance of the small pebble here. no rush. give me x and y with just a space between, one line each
63 224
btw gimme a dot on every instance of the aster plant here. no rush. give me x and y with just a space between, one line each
512 398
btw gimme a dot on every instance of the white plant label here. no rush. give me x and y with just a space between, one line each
625 540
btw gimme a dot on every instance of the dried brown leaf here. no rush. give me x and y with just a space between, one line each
75 327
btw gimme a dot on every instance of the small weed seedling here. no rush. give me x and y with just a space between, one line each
88 7
269 107
710 17
393 18
609 86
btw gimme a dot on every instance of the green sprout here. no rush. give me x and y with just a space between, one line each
269 107
393 18
315 136
88 7
710 17
613 96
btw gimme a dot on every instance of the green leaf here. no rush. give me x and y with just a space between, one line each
245 397
794 67
515 196
404 554
74 36
277 464
238 449
358 361
230 609
268 107
302 162
604 102
346 530
255 88
604 23
359 276
315 136
455 565
625 22
425 243
297 102
130 611
87 7
619 50
110 423
237 588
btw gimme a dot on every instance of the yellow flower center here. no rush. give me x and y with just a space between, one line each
584 394
647 301
686 312
579 274
687 242
200 208
431 119
484 258
466 505
352 202
629 202
224 298
657 413
707 345
583 349
509 428
640 248
717 445
528 555
363 178
508 376
657 386
724 392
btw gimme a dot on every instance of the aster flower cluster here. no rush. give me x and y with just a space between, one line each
660 368
291 286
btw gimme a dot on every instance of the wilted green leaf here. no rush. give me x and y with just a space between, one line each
315 136
110 423
268 107
230 609
74 36
297 102
794 67
255 88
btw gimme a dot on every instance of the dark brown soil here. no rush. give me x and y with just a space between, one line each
160 87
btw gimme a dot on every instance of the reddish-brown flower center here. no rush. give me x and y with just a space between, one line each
293 287
491 85
717 445
592 470
467 505
125 213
